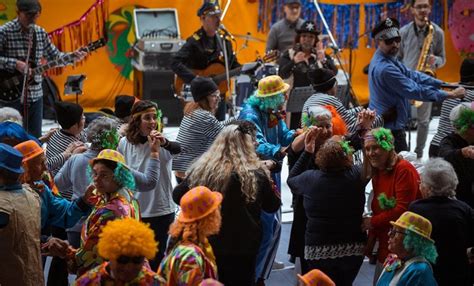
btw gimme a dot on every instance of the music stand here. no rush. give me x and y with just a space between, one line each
74 85
298 97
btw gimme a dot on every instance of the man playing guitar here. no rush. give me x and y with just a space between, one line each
17 38
204 48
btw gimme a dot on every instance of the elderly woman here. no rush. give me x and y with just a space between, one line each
102 134
305 56
199 126
113 183
247 190
190 258
410 241
452 221
457 148
334 242
124 243
156 205
395 185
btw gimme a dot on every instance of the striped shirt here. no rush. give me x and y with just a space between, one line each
348 115
14 46
55 159
445 127
196 133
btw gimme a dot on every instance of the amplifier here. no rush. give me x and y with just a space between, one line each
160 45
151 60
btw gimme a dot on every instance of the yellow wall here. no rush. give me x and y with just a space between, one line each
241 18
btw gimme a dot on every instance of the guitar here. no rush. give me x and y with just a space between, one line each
11 83
216 72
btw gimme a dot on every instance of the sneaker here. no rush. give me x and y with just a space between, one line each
277 265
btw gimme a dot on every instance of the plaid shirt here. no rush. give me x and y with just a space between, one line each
14 46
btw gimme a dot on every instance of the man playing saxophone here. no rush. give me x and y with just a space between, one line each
422 49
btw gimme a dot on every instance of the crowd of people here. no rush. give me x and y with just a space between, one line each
99 197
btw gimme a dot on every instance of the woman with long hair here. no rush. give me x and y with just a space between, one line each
157 207
232 168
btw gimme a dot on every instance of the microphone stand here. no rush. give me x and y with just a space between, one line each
24 91
224 48
336 50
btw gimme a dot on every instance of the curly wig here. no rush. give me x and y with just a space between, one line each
122 175
197 231
273 102
127 237
133 129
465 120
332 157
420 246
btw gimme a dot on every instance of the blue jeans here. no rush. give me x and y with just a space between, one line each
32 114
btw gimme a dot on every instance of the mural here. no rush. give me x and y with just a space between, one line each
461 26
7 11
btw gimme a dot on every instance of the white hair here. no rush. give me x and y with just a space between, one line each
439 177
319 111
10 114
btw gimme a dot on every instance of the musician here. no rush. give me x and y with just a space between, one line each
392 84
205 47
414 36
306 55
14 38
283 32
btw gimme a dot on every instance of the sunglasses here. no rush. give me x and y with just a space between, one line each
127 259
388 42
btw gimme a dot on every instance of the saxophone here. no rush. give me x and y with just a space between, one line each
423 65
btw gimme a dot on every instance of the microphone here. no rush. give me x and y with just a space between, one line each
223 29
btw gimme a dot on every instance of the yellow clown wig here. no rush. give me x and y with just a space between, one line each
126 237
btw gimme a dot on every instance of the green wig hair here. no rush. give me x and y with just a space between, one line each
420 246
264 103
465 120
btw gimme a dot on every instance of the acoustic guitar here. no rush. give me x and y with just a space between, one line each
11 83
216 72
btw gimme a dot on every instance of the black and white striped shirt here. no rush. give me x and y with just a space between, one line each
55 159
348 115
196 133
445 127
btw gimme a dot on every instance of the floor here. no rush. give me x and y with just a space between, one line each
287 276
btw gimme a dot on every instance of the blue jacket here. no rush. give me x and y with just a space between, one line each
392 84
270 140
58 211
418 273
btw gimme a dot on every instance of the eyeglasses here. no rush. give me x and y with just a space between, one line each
393 231
127 259
388 42
101 176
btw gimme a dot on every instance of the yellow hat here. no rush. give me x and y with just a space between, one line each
416 223
111 155
271 85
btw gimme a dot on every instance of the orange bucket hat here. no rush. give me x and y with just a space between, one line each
30 149
198 203
316 278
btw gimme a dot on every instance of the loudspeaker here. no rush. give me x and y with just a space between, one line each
158 86
50 96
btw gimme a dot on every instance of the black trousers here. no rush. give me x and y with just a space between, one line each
342 271
160 226
400 138
58 274
238 270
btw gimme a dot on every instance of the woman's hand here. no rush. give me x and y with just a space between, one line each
155 143
365 118
299 57
366 224
312 139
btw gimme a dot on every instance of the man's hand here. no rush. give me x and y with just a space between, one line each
365 118
55 247
468 152
459 92
45 138
431 60
22 67
79 55
366 225
312 139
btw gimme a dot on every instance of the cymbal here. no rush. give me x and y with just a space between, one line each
248 37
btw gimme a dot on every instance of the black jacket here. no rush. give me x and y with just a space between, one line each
450 149
453 232
199 52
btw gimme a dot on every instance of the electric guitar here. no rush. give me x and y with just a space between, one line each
216 72
11 83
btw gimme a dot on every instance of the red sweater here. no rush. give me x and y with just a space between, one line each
401 183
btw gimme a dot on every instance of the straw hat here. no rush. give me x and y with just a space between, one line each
271 85
198 203
415 223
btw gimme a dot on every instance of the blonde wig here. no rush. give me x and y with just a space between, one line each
232 151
